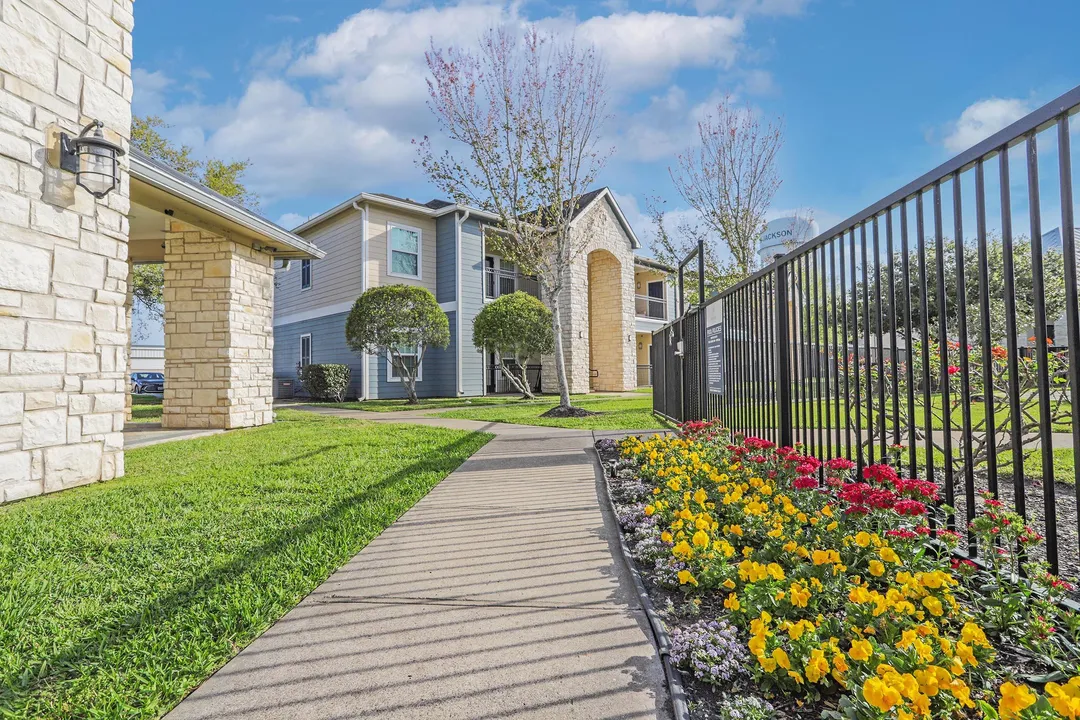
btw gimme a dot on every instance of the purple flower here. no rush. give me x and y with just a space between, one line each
710 651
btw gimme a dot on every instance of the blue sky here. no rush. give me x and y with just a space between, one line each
325 96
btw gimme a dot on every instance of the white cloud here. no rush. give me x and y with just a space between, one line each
297 147
752 7
338 112
149 95
982 119
290 220
644 49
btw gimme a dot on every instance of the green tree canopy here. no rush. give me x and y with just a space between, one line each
400 321
515 327
220 176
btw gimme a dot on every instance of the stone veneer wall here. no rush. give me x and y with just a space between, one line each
219 340
604 233
607 346
63 254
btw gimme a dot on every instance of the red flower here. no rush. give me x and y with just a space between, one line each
840 464
881 474
909 507
804 482
953 369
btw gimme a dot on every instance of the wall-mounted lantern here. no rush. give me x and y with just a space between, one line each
92 158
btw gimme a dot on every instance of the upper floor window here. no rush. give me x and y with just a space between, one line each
403 250
305 274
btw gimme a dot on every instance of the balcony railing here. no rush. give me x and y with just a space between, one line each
650 307
503 282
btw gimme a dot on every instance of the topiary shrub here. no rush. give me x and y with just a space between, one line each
325 381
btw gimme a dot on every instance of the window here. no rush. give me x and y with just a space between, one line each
305 274
305 350
403 250
409 357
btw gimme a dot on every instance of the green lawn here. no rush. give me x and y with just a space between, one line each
145 409
815 412
119 598
432 403
1064 459
634 413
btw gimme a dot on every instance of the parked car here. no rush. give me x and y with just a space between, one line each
147 382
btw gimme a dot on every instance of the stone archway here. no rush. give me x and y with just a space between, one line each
607 344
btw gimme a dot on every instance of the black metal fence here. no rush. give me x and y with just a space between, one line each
917 330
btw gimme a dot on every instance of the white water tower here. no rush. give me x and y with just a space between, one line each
783 234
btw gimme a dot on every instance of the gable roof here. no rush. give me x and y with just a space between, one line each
437 208
594 196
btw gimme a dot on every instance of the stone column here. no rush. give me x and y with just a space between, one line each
218 331
63 253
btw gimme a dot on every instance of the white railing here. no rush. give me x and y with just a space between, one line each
644 375
650 307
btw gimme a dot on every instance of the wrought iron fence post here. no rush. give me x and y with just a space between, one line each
703 365
783 357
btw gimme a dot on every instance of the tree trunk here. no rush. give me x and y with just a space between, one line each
526 389
408 379
560 360
520 384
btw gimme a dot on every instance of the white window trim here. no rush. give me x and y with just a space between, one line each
311 349
390 370
311 275
419 251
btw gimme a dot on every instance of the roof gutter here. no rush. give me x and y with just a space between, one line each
264 229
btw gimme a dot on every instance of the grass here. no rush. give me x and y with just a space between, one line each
816 412
118 598
145 409
430 403
634 413
1064 463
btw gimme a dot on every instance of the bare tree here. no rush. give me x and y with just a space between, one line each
524 114
730 178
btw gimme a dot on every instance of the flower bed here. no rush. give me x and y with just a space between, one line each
792 589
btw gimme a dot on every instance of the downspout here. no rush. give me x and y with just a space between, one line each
483 294
365 381
459 220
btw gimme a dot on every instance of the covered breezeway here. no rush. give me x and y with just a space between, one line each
219 261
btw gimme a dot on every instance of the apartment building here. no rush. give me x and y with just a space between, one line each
613 300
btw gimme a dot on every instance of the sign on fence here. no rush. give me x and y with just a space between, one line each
714 346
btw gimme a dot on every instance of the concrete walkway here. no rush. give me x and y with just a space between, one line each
137 435
498 595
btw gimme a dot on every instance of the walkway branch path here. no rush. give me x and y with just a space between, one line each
500 594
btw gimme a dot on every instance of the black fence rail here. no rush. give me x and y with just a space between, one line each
935 329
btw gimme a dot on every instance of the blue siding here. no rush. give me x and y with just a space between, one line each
327 346
472 300
446 258
440 366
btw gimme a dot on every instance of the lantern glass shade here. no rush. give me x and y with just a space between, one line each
99 171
